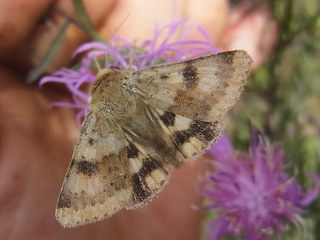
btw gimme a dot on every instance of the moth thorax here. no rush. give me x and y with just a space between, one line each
110 97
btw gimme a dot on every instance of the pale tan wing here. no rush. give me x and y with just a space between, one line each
172 137
190 136
97 183
149 170
204 88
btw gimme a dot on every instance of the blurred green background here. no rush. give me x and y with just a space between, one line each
283 97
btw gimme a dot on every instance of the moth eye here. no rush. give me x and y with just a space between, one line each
164 76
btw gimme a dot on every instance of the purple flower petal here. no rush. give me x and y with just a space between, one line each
122 55
312 193
217 229
252 193
222 148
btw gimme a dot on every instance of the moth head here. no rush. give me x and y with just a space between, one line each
107 82
103 72
104 77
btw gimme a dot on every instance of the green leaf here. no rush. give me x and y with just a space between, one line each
85 20
50 54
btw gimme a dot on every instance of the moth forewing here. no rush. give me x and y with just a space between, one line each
139 125
203 88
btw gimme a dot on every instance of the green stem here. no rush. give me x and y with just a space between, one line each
49 55
85 20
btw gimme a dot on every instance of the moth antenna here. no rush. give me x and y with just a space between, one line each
97 64
120 25
131 60
107 59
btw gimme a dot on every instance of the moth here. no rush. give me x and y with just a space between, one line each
140 125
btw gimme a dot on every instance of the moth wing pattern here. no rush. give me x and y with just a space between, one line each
204 88
157 141
156 118
174 137
149 171
97 182
112 168
189 136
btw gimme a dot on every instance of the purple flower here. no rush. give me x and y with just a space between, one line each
122 54
250 192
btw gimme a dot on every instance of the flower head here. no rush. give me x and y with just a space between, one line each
252 194
122 54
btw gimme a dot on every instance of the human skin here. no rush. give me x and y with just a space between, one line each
36 144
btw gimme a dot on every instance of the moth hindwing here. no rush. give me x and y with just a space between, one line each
139 125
